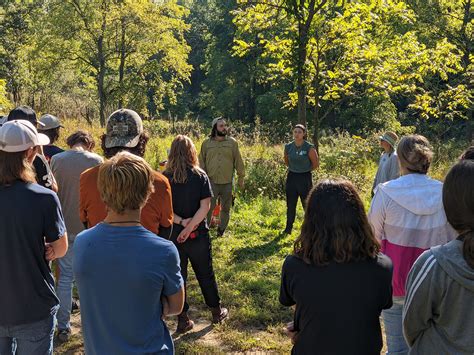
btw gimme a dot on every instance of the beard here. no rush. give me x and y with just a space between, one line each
221 134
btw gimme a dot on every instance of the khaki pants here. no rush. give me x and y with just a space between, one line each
224 192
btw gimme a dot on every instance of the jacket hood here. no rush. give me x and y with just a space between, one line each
417 193
451 260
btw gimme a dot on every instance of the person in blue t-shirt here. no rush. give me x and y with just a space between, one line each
301 158
128 278
32 232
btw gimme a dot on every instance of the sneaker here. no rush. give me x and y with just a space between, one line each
63 335
219 314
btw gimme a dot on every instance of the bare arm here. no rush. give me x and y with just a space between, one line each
313 156
285 157
57 249
173 304
190 225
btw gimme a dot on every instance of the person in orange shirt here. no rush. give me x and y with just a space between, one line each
124 131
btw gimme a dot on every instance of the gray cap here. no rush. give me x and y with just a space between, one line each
217 119
49 122
20 135
124 128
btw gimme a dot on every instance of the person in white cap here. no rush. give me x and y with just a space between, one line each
50 126
219 157
32 232
389 168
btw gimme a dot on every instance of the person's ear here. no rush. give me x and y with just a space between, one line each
31 153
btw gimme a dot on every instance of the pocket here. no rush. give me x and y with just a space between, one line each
35 331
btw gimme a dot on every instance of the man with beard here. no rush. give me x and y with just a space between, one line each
219 157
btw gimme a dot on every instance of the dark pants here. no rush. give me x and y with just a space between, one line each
198 252
298 185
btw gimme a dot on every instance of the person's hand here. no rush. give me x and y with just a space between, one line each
241 183
49 252
185 222
184 235
291 332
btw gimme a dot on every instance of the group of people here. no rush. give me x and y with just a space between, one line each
126 234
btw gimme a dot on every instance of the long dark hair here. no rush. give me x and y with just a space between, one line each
335 226
458 201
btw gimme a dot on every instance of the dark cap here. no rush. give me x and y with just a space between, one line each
124 128
24 113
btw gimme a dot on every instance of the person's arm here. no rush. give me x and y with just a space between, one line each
377 214
313 156
166 207
239 165
394 167
420 298
173 304
56 249
190 225
285 155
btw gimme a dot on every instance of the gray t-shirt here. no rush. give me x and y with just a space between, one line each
67 168
388 169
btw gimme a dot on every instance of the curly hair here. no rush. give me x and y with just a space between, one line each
335 226
81 137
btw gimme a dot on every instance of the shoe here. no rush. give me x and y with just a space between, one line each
219 314
63 335
220 232
184 323
287 231
74 305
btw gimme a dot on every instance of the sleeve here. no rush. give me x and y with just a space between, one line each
238 162
377 214
206 189
166 204
53 220
202 157
172 279
394 168
420 297
286 298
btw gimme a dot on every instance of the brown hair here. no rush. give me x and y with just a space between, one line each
138 150
81 137
468 153
458 201
335 226
125 182
183 155
303 128
415 154
15 166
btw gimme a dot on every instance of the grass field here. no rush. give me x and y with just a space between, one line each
248 258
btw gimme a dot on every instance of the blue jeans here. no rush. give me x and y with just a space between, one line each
34 338
392 320
64 289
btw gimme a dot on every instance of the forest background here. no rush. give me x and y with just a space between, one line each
347 69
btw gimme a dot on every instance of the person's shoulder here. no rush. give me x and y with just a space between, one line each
293 262
91 173
206 141
160 179
232 140
289 144
94 156
39 190
308 145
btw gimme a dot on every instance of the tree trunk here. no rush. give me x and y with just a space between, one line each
123 56
301 73
100 81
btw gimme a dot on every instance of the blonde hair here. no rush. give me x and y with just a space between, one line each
15 166
415 154
183 155
125 182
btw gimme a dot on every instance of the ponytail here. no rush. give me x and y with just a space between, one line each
468 248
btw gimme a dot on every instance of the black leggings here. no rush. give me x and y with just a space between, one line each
298 185
198 252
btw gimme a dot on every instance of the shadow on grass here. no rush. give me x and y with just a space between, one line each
260 252
192 336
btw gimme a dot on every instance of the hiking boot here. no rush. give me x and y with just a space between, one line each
63 335
184 323
219 314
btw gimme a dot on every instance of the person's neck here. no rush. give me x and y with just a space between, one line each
388 151
219 138
128 218
79 148
299 142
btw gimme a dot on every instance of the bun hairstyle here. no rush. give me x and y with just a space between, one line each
303 128
415 154
458 201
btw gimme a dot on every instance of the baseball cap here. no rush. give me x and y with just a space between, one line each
19 135
49 122
24 113
215 120
124 128
390 137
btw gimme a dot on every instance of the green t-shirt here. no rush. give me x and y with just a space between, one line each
298 157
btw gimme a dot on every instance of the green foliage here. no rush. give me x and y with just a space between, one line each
5 104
